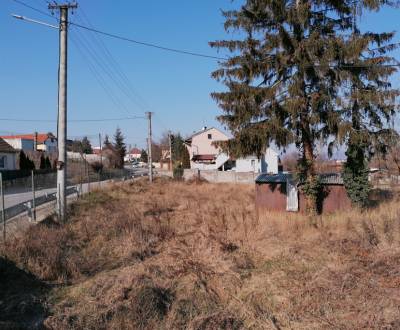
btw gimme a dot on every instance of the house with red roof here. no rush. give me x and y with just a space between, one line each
32 142
133 154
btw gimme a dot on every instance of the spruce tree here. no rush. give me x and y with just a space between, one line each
143 156
367 104
23 164
47 163
86 146
42 162
106 142
284 77
119 147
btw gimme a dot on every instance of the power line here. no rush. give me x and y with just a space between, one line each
72 120
100 79
34 9
105 67
147 44
114 63
115 36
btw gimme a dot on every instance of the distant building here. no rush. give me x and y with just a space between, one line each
204 155
133 154
8 159
31 142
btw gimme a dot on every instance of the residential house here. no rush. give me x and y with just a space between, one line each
31 142
133 154
8 158
204 155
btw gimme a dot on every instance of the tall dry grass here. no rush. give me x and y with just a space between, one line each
195 256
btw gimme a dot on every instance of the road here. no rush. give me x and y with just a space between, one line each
22 197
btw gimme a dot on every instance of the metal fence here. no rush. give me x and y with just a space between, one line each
27 193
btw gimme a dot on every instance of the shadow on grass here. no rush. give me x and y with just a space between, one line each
21 298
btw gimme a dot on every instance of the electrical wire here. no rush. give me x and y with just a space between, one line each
98 76
114 63
115 36
74 120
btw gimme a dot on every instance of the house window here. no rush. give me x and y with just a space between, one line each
209 136
253 163
2 161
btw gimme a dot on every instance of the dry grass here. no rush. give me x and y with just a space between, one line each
194 256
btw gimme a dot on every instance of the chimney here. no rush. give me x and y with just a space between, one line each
35 135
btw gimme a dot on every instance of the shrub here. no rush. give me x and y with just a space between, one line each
178 173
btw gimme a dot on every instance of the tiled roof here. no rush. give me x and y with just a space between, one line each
5 147
41 137
135 151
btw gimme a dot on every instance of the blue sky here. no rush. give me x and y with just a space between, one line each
175 87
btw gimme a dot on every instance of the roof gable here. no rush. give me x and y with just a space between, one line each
204 131
5 147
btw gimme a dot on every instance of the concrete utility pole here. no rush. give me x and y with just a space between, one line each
62 109
101 152
170 150
149 159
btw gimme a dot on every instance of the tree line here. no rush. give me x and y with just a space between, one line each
115 150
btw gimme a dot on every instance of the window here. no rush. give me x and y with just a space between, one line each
253 163
209 136
2 161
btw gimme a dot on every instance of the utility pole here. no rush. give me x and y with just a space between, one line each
170 150
62 108
149 159
101 151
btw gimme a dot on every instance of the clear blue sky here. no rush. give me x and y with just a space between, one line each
176 87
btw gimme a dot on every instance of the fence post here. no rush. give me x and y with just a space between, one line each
88 175
3 215
33 198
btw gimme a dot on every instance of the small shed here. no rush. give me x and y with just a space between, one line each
280 192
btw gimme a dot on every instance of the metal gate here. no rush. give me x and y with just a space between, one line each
292 203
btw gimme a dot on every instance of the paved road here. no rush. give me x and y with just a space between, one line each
22 197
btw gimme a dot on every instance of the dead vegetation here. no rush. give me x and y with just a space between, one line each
194 255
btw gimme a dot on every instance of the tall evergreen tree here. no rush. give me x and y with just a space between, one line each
47 163
180 154
22 160
106 142
367 104
284 78
42 162
143 156
86 146
119 146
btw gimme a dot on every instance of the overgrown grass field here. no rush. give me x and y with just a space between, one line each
178 255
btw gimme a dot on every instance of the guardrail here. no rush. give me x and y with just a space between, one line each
29 206
17 209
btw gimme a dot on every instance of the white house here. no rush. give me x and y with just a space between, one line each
133 154
19 143
8 159
206 156
29 142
